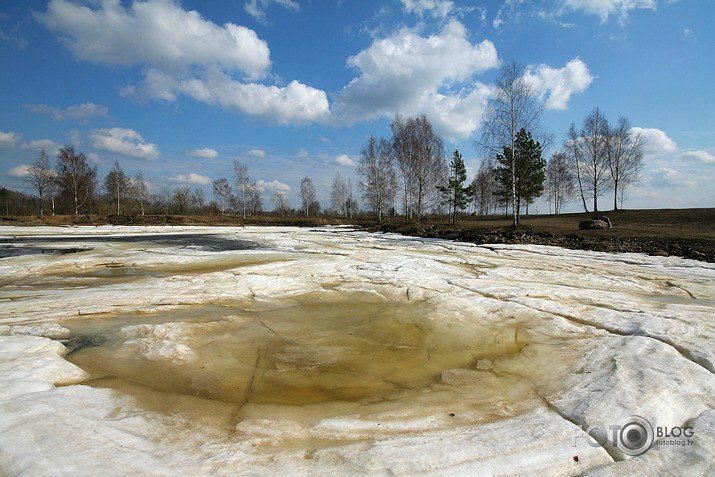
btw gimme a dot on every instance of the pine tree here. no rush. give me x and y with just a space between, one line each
529 170
454 194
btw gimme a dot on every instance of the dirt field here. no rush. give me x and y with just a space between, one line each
680 232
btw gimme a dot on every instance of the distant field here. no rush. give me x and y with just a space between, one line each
680 232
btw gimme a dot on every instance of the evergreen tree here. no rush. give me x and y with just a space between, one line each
523 175
454 194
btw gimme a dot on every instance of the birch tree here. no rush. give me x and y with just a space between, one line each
513 106
222 192
379 182
307 195
559 181
75 177
243 185
117 185
589 155
41 177
338 194
140 189
624 158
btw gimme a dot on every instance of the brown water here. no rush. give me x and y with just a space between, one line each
325 347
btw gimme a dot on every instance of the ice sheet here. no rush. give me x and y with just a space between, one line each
520 348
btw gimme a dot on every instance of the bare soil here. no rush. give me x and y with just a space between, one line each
680 232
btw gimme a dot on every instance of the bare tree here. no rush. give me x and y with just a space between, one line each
378 173
338 194
559 181
485 188
307 195
512 107
75 177
117 185
140 189
166 193
402 147
182 199
419 153
198 198
256 203
624 158
222 192
243 185
280 202
589 155
41 177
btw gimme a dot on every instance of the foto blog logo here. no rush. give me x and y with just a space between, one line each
633 436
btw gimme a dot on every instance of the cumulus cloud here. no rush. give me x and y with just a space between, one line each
192 178
555 86
292 104
702 156
344 160
409 74
655 142
606 8
50 147
158 33
123 141
80 112
257 8
9 139
20 171
274 185
206 153
182 53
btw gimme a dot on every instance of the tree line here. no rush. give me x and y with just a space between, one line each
406 173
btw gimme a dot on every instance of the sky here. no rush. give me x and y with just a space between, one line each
179 89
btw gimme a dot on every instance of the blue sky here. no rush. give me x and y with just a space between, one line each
181 89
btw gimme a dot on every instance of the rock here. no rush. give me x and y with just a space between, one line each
603 218
659 253
695 255
592 225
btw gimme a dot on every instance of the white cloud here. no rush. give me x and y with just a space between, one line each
667 177
655 142
507 9
123 141
206 153
182 53
407 73
702 156
344 160
292 104
20 171
607 8
302 153
50 147
555 86
192 178
257 8
80 112
8 139
274 185
256 153
436 8
157 33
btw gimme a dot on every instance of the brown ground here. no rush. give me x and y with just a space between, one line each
681 232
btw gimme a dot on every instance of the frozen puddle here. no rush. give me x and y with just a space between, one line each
321 349
243 351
